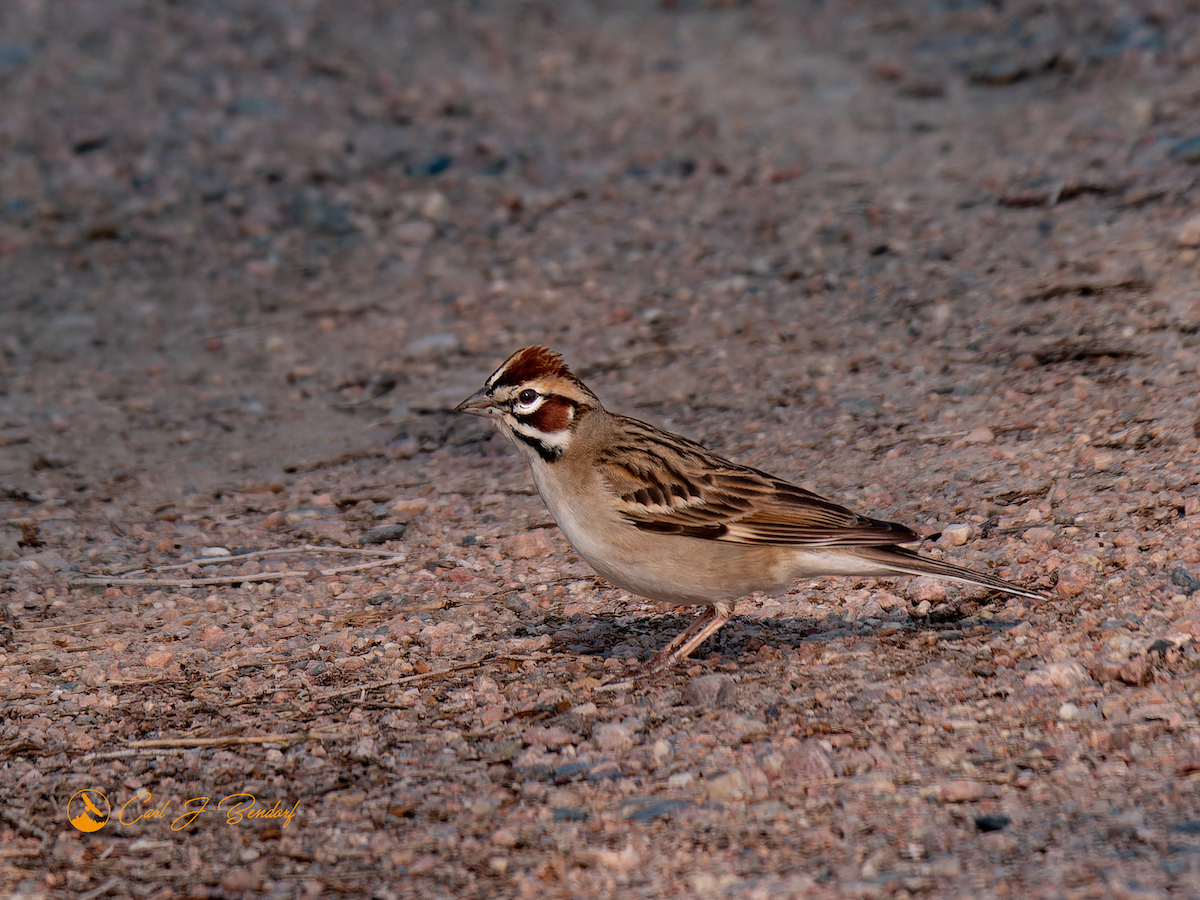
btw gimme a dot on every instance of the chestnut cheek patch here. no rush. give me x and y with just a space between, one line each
552 416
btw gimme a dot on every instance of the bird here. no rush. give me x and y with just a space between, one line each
662 517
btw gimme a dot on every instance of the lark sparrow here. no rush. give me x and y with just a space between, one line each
662 517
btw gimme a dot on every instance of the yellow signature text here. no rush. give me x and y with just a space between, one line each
236 808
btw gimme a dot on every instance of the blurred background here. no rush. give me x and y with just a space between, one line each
243 238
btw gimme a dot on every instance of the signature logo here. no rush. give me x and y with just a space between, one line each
89 810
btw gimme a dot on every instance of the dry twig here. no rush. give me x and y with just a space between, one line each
407 679
233 739
387 559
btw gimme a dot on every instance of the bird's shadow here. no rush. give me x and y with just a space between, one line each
606 635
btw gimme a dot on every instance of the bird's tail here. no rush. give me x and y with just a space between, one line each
908 562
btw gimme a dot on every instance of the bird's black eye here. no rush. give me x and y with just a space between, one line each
527 396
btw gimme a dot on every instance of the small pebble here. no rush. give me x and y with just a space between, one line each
409 508
807 762
724 786
554 736
711 691
1189 234
435 206
613 737
955 535
1065 675
1136 671
1073 580
1069 712
926 589
526 545
980 435
429 166
992 823
1188 150
962 791
642 810
383 534
1181 577
419 232
238 881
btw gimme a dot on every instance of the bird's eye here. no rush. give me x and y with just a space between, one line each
527 396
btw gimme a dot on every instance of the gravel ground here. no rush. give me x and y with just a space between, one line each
936 260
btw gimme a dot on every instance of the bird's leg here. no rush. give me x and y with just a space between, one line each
705 626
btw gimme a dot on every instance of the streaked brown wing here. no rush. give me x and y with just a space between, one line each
670 485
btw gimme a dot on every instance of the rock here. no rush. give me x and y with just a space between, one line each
992 823
429 166
807 762
1041 533
956 535
1188 150
526 545
613 737
533 763
238 881
711 692
887 600
1136 671
873 783
419 232
435 206
926 589
301 513
213 552
1189 234
505 837
642 809
1131 111
403 449
407 509
724 786
962 791
48 560
747 730
384 533
554 736
81 740
1065 675
1073 580
604 770
316 530
980 435
159 659
1181 577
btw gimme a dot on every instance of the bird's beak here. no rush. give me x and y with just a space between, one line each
479 404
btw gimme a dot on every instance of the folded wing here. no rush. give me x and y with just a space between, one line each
669 485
